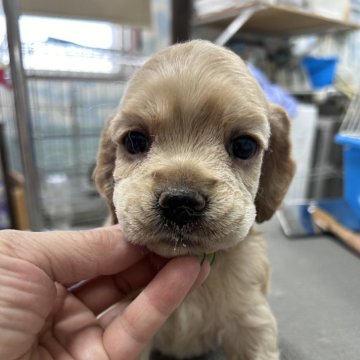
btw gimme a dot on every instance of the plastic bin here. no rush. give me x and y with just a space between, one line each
321 70
351 147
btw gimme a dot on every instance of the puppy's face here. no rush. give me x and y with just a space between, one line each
188 143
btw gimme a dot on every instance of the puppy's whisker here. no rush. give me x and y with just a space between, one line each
179 237
176 243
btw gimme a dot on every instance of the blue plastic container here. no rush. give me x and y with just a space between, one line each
351 147
321 70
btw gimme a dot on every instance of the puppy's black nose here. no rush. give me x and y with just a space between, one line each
181 206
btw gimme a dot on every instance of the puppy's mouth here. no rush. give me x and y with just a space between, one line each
175 241
187 234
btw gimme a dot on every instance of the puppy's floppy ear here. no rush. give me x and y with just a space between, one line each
278 167
103 172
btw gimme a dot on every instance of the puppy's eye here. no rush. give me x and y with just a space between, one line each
243 147
136 142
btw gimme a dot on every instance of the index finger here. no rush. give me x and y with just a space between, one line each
102 292
126 336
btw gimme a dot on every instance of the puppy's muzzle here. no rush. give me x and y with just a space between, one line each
181 206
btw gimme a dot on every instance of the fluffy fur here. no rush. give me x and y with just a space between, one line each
192 99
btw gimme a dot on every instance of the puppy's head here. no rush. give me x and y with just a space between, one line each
195 153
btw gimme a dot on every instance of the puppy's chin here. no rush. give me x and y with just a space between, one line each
178 245
169 251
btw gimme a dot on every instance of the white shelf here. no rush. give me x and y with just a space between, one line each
277 20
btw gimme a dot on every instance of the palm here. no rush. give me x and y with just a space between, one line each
73 330
55 324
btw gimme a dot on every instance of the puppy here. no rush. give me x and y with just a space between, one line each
194 156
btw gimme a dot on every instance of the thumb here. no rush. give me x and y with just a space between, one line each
71 256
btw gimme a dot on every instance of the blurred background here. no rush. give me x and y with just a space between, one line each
63 70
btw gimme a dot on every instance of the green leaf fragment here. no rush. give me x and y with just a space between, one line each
202 258
211 258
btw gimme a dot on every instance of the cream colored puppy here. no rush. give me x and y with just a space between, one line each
193 158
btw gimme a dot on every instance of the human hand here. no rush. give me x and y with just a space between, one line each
41 318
